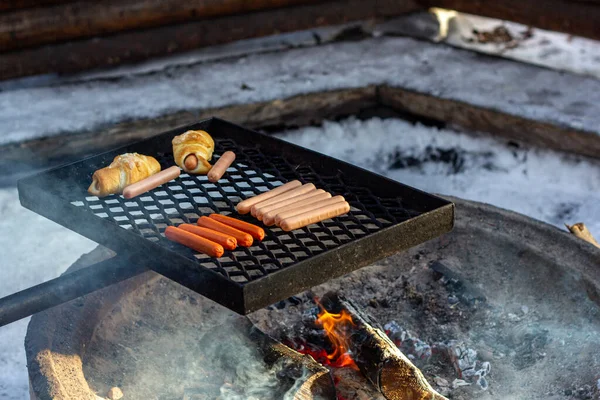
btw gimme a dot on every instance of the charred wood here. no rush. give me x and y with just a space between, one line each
379 359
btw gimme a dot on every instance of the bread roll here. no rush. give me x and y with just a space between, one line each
197 143
125 170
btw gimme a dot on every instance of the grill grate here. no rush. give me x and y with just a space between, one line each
189 197
385 216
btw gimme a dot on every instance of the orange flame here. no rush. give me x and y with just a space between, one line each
336 327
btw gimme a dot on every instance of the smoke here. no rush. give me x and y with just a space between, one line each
239 360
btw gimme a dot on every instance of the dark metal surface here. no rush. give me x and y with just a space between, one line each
386 216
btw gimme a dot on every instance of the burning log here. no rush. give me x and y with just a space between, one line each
378 358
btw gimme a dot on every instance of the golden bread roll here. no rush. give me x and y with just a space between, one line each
125 170
197 143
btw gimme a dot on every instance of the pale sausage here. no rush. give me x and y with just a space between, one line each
279 217
314 216
218 170
151 182
269 216
261 211
244 207
257 208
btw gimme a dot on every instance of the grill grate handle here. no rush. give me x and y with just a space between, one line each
66 288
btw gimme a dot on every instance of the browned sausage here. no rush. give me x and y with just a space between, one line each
194 242
227 241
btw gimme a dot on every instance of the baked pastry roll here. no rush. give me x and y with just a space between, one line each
199 146
125 170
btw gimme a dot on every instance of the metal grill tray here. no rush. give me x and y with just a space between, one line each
385 217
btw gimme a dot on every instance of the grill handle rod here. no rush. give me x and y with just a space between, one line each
66 287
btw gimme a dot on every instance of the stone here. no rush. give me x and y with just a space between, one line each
115 393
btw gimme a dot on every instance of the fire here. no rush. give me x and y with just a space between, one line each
337 328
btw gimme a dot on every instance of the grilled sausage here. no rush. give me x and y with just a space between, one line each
256 231
227 241
243 238
194 242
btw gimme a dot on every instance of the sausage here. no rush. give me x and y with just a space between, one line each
227 241
190 162
314 216
257 208
255 231
151 182
243 238
218 170
279 217
244 207
260 209
194 242
270 212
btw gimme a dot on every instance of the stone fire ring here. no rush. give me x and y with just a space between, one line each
57 340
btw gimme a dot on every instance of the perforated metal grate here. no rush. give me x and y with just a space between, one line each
188 197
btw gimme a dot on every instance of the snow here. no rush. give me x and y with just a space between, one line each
439 70
545 48
543 184
33 250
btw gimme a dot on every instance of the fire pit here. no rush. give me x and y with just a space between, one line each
466 308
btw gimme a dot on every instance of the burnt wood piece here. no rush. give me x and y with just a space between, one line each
317 381
139 45
36 26
378 358
577 17
482 119
11 5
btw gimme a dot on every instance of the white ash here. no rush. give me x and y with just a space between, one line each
468 367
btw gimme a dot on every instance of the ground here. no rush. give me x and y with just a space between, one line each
542 184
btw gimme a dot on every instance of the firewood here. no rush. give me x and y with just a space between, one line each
41 25
581 231
379 359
